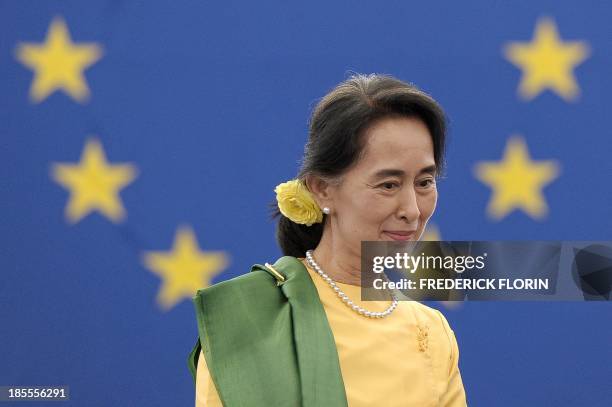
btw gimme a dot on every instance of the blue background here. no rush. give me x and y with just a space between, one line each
210 101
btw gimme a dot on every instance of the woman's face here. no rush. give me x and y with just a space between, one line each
390 193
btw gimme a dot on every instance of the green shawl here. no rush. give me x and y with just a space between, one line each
267 341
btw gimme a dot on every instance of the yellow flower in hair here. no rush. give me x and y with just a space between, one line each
296 203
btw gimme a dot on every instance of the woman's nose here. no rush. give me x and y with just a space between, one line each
408 206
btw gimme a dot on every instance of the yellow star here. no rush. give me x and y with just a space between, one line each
58 63
93 184
517 182
547 62
184 269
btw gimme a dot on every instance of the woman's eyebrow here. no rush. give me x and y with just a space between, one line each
429 170
389 172
392 172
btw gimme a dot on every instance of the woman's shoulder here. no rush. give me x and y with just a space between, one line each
425 311
260 277
252 280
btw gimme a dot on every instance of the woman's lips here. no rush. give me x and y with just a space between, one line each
399 235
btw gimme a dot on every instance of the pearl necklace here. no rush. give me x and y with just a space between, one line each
362 311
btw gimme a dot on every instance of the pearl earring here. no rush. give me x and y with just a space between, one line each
326 210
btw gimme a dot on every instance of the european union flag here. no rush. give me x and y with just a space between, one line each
141 143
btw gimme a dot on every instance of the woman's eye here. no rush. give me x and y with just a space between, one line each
427 182
389 185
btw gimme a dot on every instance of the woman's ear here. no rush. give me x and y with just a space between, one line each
320 190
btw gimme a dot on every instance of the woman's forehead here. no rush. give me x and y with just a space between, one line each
398 143
398 132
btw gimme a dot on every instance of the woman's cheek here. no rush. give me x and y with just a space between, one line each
373 208
428 205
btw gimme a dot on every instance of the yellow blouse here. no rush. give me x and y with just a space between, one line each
409 358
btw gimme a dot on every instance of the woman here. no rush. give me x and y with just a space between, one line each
296 333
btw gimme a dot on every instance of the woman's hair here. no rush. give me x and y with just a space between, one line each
336 139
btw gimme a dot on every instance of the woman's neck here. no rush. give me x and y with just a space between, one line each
339 262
